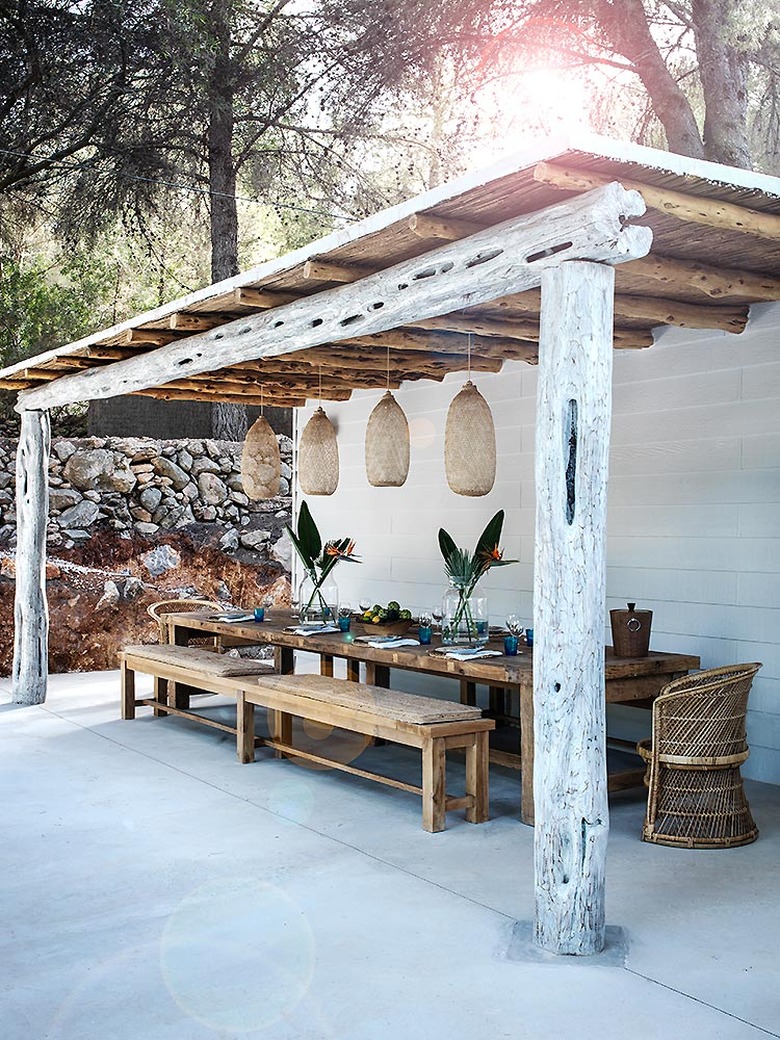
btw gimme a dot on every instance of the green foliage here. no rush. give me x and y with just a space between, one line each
463 568
42 308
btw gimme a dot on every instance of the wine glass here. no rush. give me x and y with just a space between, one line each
345 609
437 613
514 624
364 604
425 618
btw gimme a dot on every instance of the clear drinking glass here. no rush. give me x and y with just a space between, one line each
514 624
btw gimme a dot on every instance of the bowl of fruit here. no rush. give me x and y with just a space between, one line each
391 620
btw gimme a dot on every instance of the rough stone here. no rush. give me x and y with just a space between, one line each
281 551
63 450
150 498
76 535
63 498
160 559
212 489
254 539
83 514
146 529
229 541
92 496
99 469
168 468
133 588
185 459
239 498
6 480
141 514
204 465
110 596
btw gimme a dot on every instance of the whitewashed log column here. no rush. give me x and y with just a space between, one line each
574 407
31 614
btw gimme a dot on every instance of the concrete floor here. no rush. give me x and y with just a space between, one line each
155 889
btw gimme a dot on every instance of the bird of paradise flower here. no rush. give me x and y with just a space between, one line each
318 560
464 569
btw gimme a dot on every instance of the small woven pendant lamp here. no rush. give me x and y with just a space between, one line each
387 441
318 454
260 461
470 442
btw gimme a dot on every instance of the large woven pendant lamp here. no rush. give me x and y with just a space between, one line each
387 441
470 442
318 455
260 461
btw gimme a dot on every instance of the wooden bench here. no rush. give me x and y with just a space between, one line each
435 726
179 671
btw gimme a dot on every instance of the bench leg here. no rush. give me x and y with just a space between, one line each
477 784
160 694
280 724
245 728
434 784
128 691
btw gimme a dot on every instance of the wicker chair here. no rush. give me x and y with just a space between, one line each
696 797
181 606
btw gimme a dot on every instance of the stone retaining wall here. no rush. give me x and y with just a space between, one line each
146 487
135 521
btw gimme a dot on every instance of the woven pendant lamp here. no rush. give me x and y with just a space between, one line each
318 456
260 461
387 444
470 444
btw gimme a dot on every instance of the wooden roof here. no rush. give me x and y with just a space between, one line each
716 250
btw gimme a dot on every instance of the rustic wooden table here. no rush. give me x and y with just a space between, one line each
628 680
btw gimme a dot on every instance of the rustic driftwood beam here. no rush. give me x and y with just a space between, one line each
574 406
714 282
261 299
440 229
31 615
723 215
506 258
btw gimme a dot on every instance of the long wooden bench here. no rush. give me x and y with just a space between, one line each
432 725
179 671
435 726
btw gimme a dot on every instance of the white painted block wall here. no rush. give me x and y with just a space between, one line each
694 504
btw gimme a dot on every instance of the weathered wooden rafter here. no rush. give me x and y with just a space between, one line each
723 215
507 258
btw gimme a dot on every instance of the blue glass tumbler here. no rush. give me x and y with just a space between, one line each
510 645
425 634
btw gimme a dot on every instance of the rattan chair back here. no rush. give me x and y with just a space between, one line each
181 606
695 791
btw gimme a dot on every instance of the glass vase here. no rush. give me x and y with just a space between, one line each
465 621
318 603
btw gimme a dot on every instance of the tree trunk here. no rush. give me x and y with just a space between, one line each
574 401
31 613
228 421
625 23
723 72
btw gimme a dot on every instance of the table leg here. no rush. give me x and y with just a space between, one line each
353 670
527 755
326 665
468 692
284 660
378 675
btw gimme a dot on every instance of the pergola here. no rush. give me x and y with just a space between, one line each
554 257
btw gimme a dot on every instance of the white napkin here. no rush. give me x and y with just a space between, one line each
468 653
390 644
308 630
231 617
